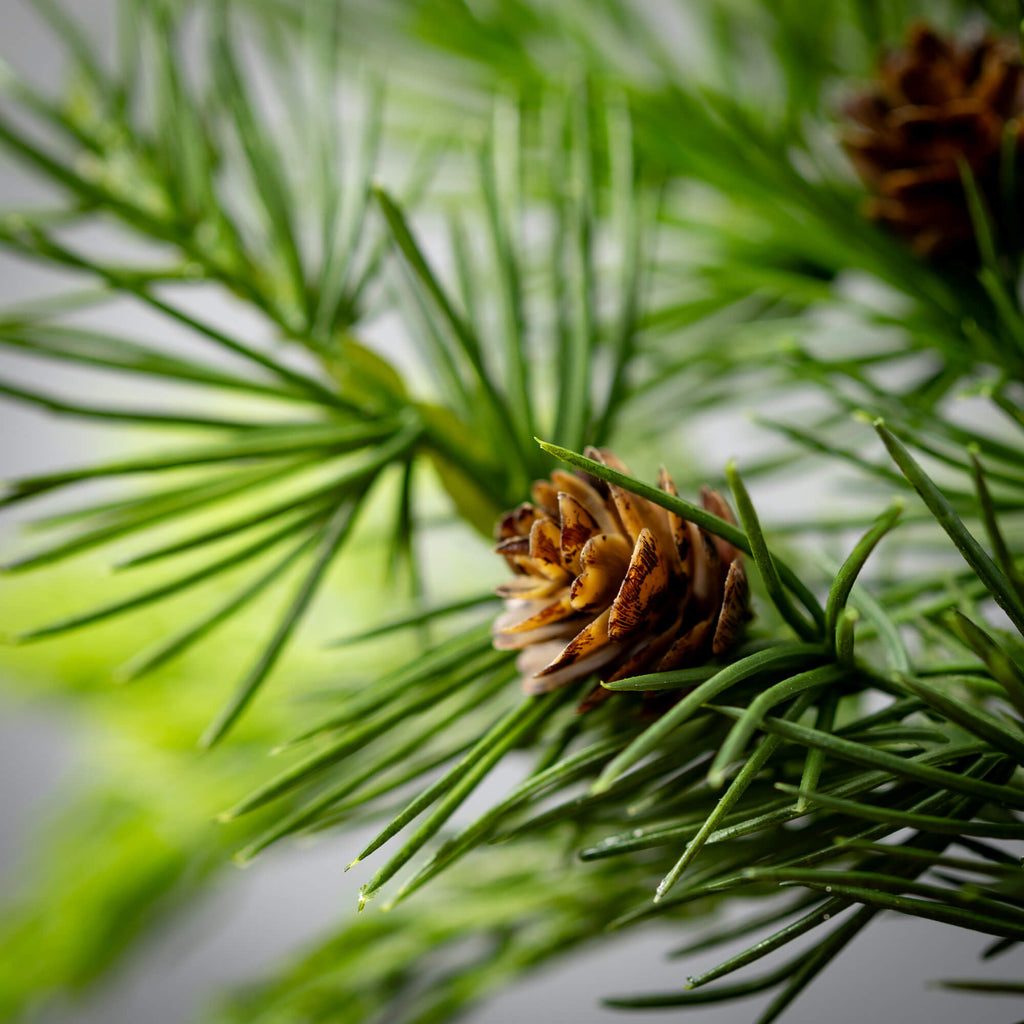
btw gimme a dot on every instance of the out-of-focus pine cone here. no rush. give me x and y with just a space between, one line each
935 105
611 583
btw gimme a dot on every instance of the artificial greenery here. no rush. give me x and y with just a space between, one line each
604 228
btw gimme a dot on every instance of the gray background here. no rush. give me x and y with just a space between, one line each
249 920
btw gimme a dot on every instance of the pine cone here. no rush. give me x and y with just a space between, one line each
936 104
611 583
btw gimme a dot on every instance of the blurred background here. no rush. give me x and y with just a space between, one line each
105 801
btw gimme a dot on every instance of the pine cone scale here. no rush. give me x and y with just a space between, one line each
578 527
732 617
603 563
642 594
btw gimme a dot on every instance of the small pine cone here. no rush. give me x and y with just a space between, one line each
611 583
936 104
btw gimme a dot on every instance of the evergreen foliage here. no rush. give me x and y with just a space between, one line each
611 221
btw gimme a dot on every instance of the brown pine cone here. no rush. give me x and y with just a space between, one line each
936 104
611 583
